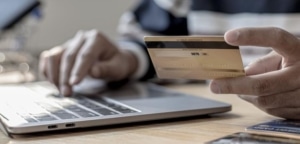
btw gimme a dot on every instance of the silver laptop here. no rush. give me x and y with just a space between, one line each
36 107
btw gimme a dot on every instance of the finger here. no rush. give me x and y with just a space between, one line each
288 113
248 98
287 99
270 62
92 49
263 84
281 41
53 63
67 62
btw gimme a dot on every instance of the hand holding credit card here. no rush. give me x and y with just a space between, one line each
194 57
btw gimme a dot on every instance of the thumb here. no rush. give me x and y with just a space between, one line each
281 41
270 62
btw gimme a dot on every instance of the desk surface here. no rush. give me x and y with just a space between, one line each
195 130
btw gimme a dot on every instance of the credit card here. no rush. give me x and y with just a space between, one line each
280 127
248 138
194 57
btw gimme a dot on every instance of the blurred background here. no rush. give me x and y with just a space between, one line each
52 24
63 18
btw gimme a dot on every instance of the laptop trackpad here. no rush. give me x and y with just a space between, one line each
140 91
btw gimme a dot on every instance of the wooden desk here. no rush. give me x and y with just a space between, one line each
196 130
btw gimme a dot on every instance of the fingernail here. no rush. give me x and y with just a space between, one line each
74 80
65 90
232 36
215 88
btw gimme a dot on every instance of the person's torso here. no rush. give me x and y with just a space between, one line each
218 16
215 17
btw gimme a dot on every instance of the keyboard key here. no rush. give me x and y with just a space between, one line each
45 118
80 111
65 115
89 104
124 110
121 109
50 107
62 114
99 109
116 107
100 100
29 119
71 107
59 112
86 114
105 111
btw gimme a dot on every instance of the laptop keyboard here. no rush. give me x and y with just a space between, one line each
70 108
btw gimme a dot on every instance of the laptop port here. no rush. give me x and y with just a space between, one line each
52 126
70 125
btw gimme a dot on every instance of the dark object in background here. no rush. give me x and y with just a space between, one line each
18 19
12 11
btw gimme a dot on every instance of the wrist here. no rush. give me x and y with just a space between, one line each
140 55
132 62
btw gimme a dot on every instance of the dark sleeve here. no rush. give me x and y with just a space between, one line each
153 18
146 19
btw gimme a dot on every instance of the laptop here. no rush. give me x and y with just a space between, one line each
37 107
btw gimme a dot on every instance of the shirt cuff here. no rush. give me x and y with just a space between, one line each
141 56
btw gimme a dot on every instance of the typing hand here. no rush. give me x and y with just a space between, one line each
87 54
272 83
